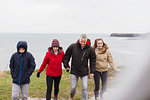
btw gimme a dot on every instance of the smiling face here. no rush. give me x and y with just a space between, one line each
21 50
83 43
99 44
55 49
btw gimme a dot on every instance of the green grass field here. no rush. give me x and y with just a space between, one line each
37 87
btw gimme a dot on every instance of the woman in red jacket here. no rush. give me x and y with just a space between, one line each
53 59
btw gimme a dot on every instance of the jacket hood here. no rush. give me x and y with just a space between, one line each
50 49
103 49
88 43
22 43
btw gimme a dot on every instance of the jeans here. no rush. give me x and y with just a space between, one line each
74 81
24 91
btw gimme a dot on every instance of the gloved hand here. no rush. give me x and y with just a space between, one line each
38 74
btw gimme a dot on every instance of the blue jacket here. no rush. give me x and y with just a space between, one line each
22 65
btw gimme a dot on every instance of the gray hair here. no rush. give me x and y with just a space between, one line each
83 37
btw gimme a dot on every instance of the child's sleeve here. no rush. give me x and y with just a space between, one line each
31 65
11 65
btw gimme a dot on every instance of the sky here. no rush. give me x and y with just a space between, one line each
74 16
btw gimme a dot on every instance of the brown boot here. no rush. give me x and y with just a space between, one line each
70 97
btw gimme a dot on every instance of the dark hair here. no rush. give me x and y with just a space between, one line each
58 48
95 43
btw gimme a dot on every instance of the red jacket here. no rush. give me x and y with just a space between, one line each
54 67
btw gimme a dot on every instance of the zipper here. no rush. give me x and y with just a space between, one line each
83 56
20 68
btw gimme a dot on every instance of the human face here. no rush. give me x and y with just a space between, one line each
21 50
83 43
55 49
99 44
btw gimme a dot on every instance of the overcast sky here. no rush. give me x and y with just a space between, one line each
74 16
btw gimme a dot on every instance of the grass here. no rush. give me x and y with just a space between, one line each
37 87
5 86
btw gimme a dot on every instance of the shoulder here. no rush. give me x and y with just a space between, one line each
91 49
29 55
96 50
73 44
62 51
48 53
108 52
15 54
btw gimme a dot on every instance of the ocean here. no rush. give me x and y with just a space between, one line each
123 49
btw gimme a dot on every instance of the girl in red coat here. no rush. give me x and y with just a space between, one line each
53 59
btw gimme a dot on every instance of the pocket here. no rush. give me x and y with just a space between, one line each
26 80
14 75
27 75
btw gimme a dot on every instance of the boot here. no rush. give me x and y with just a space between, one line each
55 97
101 96
96 95
70 97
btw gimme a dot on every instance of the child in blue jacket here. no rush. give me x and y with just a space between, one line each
22 65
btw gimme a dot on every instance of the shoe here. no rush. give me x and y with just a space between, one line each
55 97
70 97
96 95
101 96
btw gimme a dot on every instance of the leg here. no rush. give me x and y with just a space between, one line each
56 86
74 81
97 80
84 81
97 84
104 81
104 84
49 81
24 91
15 91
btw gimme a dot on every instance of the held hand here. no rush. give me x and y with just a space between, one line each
91 75
67 69
38 74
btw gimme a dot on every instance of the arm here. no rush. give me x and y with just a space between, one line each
92 61
68 67
68 56
45 62
110 60
31 65
63 56
11 65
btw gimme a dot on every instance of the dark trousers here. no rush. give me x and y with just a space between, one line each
49 80
103 76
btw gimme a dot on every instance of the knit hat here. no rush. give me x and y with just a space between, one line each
55 43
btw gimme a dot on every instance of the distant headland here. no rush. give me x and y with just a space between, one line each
129 34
